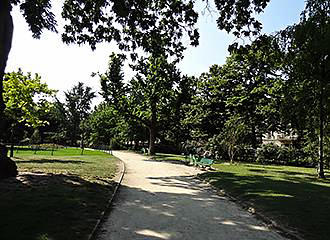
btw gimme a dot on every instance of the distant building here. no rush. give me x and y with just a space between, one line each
279 139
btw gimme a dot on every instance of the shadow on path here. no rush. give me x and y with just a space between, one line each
179 207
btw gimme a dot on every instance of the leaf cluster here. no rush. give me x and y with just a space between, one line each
26 98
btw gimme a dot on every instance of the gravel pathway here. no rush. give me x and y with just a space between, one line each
159 200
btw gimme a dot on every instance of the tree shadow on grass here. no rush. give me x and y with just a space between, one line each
296 202
55 206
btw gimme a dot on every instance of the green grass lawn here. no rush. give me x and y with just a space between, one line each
291 196
168 157
55 197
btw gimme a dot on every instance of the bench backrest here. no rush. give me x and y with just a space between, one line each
206 161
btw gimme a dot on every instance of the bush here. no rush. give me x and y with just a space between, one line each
273 154
246 154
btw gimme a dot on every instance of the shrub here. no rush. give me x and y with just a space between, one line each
281 155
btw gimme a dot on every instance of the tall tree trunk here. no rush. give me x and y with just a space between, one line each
7 166
6 34
320 167
153 129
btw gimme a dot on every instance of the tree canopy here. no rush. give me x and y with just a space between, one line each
27 99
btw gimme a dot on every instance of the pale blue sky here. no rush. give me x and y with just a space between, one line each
62 66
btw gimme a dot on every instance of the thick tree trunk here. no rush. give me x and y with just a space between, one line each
6 34
320 167
8 167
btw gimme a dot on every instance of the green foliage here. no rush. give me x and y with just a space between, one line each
26 98
78 105
238 16
58 127
233 135
153 26
102 124
112 81
307 94
38 15
148 98
247 87
281 155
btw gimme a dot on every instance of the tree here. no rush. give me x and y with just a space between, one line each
57 129
206 114
102 123
233 136
26 99
306 45
78 104
255 76
238 16
147 96
133 24
37 15
107 126
247 86
172 129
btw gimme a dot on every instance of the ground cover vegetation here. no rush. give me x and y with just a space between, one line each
59 196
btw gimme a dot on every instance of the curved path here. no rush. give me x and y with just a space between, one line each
159 200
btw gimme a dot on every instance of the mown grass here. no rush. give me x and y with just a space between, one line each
69 151
292 196
55 197
169 157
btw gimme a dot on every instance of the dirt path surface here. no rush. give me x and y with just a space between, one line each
159 200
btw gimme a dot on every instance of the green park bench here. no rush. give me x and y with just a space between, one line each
205 162
198 161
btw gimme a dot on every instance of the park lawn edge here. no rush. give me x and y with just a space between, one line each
90 193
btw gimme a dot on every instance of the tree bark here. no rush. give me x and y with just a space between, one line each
6 34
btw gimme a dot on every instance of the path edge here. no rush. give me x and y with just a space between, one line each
118 180
285 232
